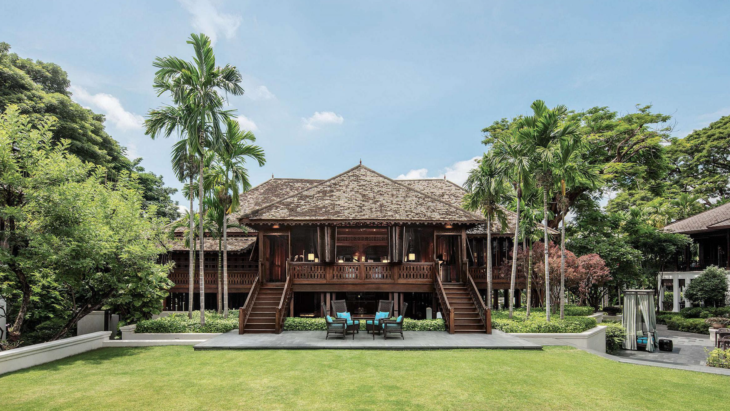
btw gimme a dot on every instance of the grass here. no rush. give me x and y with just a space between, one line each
178 378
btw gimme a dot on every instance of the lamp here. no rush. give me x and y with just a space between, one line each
411 257
275 226
316 260
340 260
310 256
449 226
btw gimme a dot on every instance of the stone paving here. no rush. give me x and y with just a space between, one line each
414 340
689 349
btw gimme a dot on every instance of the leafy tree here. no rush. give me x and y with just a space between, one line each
155 194
486 189
590 278
709 288
198 112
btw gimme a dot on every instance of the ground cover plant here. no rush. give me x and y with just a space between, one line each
318 324
178 378
718 358
575 321
675 321
180 323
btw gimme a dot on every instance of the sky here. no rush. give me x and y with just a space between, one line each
403 86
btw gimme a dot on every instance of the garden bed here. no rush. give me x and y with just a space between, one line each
181 324
575 321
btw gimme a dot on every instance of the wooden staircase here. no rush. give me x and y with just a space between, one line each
466 315
262 319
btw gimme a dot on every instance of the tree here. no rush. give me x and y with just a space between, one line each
512 154
230 175
198 114
571 171
530 222
590 279
64 223
486 189
709 288
542 133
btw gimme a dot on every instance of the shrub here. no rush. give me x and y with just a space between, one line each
615 336
180 323
578 311
538 324
704 312
612 310
318 324
710 287
718 358
690 325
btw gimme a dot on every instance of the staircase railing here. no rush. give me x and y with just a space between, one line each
484 312
445 306
245 311
283 307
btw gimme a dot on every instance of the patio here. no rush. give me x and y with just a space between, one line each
414 340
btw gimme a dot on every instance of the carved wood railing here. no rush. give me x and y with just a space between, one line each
283 308
484 312
245 311
235 278
445 306
345 273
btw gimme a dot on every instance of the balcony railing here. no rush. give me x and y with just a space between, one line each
344 273
235 278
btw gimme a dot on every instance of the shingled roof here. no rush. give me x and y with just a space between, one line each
714 219
361 194
211 244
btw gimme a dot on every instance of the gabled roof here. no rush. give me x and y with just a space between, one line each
211 244
271 191
361 194
714 219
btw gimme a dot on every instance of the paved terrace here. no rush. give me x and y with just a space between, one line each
414 340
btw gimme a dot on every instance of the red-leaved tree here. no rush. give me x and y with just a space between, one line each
589 280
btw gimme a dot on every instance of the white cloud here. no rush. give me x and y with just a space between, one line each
320 119
132 153
457 172
207 19
110 107
246 123
704 120
260 93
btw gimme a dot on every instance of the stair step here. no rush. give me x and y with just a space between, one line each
259 303
468 322
263 310
258 331
262 325
269 298
469 330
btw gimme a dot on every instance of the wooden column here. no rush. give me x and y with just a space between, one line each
329 296
506 298
291 305
396 307
323 305
518 298
495 299
401 304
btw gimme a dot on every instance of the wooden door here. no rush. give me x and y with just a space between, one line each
448 252
276 253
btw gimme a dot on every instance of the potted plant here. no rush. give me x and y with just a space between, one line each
717 322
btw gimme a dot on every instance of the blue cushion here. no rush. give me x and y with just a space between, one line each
391 325
381 314
344 315
329 319
336 325
351 322
641 340
400 318
371 322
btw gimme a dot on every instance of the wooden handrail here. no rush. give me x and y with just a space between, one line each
284 302
245 311
482 308
448 312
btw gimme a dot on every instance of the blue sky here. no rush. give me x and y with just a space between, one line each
405 86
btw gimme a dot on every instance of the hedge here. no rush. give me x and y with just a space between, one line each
675 322
615 336
318 324
704 312
537 323
180 323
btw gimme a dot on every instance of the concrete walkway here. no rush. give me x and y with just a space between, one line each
414 340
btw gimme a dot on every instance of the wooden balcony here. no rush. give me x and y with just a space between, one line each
415 277
240 278
499 279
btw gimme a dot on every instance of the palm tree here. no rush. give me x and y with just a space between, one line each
185 167
512 154
486 190
570 169
215 217
542 133
229 173
190 221
194 88
529 220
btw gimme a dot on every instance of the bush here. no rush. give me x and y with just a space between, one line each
578 311
318 324
718 358
615 336
710 287
612 311
537 323
704 312
180 323
690 325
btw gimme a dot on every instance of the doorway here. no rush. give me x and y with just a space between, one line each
276 252
448 250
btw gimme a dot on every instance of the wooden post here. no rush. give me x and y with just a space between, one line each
495 299
518 298
322 304
396 307
401 304
328 304
291 305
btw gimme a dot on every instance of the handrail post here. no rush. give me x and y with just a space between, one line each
241 314
451 321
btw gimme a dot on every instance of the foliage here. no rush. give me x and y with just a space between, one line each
537 323
318 324
709 288
724 321
180 323
612 310
675 322
578 310
70 233
615 336
718 358
704 312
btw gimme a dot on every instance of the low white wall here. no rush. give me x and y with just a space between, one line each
149 343
593 339
129 334
30 356
94 322
598 317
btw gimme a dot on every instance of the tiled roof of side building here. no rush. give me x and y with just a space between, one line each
713 219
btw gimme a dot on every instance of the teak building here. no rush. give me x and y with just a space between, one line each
359 237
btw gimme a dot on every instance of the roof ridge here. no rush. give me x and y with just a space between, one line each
697 215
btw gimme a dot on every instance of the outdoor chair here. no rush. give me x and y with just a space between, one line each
340 308
394 326
722 338
336 326
385 308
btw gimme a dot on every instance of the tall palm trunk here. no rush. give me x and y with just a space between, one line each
202 243
191 255
515 246
529 279
220 279
547 251
562 266
225 262
489 260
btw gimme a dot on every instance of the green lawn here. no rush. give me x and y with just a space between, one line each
178 378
